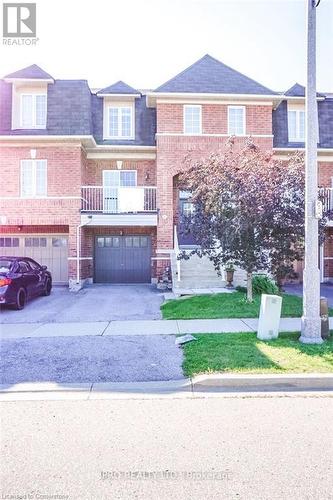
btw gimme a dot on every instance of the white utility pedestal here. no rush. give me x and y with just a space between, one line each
269 318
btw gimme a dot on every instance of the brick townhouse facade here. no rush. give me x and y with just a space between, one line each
89 178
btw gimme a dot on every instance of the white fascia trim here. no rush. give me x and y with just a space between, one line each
319 150
113 155
211 135
152 97
28 80
29 198
122 147
42 137
117 96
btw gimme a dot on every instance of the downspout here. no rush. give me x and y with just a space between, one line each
78 248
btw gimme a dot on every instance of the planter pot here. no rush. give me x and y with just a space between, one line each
230 278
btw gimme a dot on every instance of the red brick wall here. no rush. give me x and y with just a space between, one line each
93 171
63 180
325 174
171 152
214 119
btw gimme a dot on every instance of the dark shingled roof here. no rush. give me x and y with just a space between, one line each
119 88
298 90
32 71
208 75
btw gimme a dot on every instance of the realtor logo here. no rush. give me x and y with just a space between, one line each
19 20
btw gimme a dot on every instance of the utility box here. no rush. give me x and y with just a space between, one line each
325 327
269 318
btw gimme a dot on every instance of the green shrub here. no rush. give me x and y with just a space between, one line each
263 284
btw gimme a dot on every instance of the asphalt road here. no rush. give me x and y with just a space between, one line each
207 448
134 358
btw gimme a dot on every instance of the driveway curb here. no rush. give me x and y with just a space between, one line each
197 386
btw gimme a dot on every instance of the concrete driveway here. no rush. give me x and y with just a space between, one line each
93 303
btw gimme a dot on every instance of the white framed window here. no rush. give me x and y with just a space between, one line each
236 120
120 122
296 125
119 178
33 111
192 119
33 178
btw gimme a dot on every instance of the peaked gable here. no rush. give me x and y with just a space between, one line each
119 88
208 75
298 90
30 72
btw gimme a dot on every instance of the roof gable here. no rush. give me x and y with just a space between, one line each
208 75
30 73
298 90
119 88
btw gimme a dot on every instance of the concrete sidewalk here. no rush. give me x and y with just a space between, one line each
141 327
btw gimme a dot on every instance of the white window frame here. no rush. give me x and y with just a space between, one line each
34 179
120 106
185 107
297 138
243 108
34 110
119 171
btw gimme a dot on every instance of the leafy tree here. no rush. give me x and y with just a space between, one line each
249 209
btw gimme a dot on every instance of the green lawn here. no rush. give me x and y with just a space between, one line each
226 305
244 353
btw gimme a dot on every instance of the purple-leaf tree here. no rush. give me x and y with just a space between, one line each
249 209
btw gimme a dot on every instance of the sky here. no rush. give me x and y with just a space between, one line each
147 42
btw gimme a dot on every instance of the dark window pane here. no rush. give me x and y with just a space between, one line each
15 242
35 242
28 242
2 242
8 242
42 242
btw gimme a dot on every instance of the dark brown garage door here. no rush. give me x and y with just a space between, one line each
122 259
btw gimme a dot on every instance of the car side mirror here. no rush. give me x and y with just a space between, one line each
44 268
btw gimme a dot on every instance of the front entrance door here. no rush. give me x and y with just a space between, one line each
123 259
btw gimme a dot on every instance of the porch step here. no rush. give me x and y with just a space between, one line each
196 273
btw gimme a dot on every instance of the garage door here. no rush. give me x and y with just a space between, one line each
50 251
123 259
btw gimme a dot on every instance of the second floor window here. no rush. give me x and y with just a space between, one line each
33 110
236 120
192 119
120 122
296 125
33 178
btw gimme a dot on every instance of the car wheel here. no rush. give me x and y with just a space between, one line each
21 299
48 288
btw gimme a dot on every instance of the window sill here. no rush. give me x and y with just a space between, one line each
119 138
29 128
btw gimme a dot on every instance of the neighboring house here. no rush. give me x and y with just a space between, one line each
89 179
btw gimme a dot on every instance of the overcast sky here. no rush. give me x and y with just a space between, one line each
147 42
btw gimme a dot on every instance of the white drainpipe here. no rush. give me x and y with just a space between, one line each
78 249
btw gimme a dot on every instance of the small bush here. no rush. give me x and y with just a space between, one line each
263 284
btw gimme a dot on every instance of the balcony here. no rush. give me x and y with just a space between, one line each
119 205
